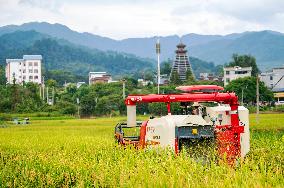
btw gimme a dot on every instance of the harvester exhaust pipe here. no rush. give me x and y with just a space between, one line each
131 115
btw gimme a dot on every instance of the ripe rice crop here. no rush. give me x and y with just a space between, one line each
83 153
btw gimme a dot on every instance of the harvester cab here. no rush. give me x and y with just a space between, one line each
225 123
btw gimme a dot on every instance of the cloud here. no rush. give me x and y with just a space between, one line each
52 5
139 18
246 10
261 11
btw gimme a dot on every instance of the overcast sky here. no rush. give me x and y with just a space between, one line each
144 18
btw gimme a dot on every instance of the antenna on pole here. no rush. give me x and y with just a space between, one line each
158 51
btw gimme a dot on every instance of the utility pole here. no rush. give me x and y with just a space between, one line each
43 89
123 88
78 107
257 99
47 95
40 88
243 95
53 92
158 51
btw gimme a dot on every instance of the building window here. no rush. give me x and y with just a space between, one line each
24 77
30 77
36 77
30 63
241 72
30 70
227 72
36 64
24 64
24 71
35 70
227 80
19 70
271 77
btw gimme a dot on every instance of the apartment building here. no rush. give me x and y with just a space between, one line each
232 73
23 70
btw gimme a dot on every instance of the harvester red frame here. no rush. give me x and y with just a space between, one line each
227 136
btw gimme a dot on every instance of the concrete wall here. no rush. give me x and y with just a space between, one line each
272 77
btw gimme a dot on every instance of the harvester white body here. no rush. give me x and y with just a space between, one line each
163 131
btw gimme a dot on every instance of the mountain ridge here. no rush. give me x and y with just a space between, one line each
211 48
59 54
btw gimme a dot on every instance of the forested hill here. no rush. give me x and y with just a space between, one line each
63 55
67 58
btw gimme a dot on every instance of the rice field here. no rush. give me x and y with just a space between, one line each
83 153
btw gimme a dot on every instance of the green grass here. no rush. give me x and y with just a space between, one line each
267 121
71 152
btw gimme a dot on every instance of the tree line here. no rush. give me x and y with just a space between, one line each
107 98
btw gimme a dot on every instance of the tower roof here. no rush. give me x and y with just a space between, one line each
180 51
181 45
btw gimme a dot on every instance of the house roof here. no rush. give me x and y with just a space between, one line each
32 57
13 60
280 95
278 89
236 68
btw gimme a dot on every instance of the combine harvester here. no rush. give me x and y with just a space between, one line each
226 124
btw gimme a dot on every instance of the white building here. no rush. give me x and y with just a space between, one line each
99 77
232 73
27 69
274 79
144 82
210 76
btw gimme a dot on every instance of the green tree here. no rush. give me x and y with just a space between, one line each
244 61
71 89
209 82
166 67
157 108
88 103
51 83
65 107
161 108
6 100
149 76
247 85
109 105
190 77
2 76
175 78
